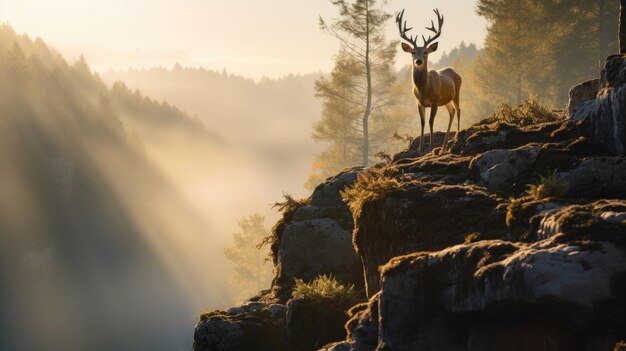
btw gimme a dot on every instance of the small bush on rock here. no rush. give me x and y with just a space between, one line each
323 287
470 238
370 185
528 112
548 186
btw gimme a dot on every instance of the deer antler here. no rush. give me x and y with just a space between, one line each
403 29
432 29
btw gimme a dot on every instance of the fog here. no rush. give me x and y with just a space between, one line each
115 207
258 160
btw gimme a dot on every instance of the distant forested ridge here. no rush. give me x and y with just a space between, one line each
85 215
269 120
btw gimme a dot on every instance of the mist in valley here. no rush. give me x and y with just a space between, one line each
107 240
259 159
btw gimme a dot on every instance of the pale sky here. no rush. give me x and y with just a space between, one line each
249 37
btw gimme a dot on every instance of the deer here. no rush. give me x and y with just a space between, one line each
431 88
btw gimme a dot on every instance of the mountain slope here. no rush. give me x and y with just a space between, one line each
98 248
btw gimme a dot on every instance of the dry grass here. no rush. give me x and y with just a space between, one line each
548 186
470 238
370 185
528 112
323 287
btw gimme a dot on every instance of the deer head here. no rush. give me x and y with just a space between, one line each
419 53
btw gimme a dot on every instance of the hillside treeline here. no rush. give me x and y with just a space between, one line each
88 222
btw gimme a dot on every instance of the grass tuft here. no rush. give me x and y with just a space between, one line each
528 112
370 185
471 238
323 287
548 186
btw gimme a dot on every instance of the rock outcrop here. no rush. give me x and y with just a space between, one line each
566 289
510 237
253 326
313 323
606 115
317 239
583 92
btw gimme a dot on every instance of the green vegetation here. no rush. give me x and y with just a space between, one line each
530 111
323 287
370 185
251 272
318 312
548 186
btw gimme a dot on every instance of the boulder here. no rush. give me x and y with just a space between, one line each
499 168
606 116
318 246
361 328
492 134
314 322
252 326
582 92
422 216
597 177
492 294
317 239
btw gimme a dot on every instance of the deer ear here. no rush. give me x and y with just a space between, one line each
406 47
432 48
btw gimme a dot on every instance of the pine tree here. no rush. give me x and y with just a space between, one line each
251 272
541 48
359 29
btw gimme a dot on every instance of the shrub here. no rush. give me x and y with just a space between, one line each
470 238
370 185
323 287
404 138
528 112
550 185
383 156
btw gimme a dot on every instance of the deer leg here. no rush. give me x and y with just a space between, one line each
452 111
458 114
458 118
423 122
433 113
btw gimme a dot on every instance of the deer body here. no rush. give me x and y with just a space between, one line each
431 88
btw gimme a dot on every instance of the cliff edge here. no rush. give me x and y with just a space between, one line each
512 237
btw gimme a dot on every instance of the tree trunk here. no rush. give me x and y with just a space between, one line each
622 27
601 30
368 104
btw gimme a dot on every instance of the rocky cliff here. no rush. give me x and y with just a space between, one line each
512 237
